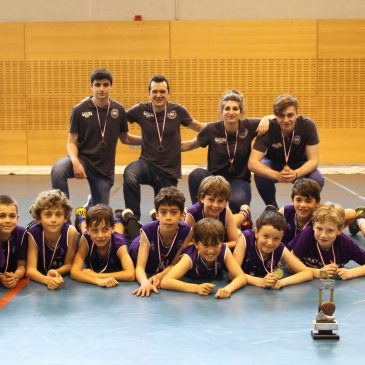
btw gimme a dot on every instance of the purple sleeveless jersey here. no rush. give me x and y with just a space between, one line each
45 256
199 269
111 263
18 245
304 246
252 263
160 256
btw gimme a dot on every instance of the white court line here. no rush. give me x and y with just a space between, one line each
345 188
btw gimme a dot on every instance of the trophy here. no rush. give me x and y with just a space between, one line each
324 325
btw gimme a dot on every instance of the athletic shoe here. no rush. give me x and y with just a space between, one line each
118 215
353 226
80 216
153 214
272 207
247 222
86 205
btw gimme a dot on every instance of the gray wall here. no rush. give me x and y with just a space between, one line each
98 10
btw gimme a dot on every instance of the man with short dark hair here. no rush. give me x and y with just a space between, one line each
159 164
287 152
95 126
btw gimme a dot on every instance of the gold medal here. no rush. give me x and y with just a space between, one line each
279 273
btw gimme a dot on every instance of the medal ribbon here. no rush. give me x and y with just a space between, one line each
102 131
44 252
320 254
231 159
7 257
263 260
107 262
160 134
215 266
286 155
297 229
159 239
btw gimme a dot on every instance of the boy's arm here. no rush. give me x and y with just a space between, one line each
78 274
131 139
71 250
302 273
73 153
355 272
128 272
189 145
235 272
171 280
231 229
52 281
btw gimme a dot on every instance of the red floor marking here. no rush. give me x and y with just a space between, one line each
12 293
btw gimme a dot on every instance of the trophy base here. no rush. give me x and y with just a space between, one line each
324 330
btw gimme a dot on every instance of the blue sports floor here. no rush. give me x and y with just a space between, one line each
84 324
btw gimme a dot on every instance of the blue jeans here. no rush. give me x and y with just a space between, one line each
266 187
241 189
140 173
100 186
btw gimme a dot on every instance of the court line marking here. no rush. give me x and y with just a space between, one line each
345 188
12 293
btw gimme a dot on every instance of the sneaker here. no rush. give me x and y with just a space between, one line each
360 212
80 216
88 200
272 207
127 214
153 214
247 223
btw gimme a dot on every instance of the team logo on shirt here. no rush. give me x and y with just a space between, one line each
297 139
243 134
220 140
172 114
148 114
87 114
277 145
114 113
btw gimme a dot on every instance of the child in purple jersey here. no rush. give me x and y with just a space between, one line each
206 259
159 246
104 251
260 251
325 247
213 194
13 239
305 197
51 242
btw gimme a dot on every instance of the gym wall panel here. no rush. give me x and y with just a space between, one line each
13 136
341 90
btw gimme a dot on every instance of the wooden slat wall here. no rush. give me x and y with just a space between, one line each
45 70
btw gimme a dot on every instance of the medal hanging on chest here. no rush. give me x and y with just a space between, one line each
287 154
160 147
231 168
102 145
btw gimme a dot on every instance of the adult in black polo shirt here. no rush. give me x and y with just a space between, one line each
229 146
287 152
160 162
95 126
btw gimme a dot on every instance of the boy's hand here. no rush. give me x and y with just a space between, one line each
145 289
331 270
223 293
344 274
270 280
9 280
205 289
107 282
155 281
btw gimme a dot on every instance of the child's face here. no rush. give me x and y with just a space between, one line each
207 252
325 234
304 206
268 239
169 216
213 205
100 234
52 219
8 218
